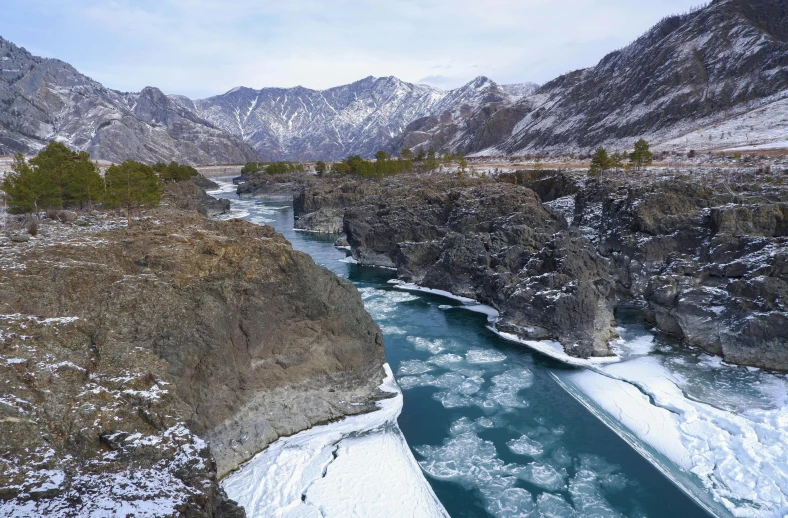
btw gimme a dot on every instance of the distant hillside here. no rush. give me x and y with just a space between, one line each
46 99
695 80
359 118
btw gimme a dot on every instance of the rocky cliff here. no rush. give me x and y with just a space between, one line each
556 251
485 240
140 364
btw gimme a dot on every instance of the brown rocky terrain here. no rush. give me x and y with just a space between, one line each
138 365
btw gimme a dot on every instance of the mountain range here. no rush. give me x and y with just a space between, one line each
714 78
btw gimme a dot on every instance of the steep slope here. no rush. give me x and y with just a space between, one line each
686 75
359 118
686 68
138 364
45 99
460 122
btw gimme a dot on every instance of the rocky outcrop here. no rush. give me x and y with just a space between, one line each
190 195
262 185
139 364
555 251
327 221
488 241
708 265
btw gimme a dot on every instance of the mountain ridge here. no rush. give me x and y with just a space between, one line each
43 99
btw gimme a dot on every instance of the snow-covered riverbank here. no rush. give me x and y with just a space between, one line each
718 431
359 466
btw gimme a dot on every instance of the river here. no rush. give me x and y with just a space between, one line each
501 430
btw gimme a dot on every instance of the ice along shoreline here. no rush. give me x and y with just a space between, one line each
358 466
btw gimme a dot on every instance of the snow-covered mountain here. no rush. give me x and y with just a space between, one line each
714 78
46 99
359 118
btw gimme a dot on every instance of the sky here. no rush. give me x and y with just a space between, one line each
201 48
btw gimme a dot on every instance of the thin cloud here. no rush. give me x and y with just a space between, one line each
205 47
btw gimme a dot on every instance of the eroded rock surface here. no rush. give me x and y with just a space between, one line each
555 252
138 364
489 241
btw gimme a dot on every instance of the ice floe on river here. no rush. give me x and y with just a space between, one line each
360 466
723 430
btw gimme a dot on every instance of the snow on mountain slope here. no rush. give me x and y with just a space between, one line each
683 77
45 99
359 118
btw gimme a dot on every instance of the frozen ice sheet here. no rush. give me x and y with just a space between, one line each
736 459
360 466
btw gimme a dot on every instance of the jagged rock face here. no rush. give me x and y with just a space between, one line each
191 196
45 99
709 266
360 118
488 241
122 348
686 74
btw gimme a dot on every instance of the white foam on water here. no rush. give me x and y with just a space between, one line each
224 187
260 220
382 303
233 214
544 476
526 446
392 330
359 466
484 356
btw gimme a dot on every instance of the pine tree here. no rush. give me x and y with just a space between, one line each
54 162
84 185
27 189
56 178
616 161
642 155
406 154
600 162
432 162
132 185
320 167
